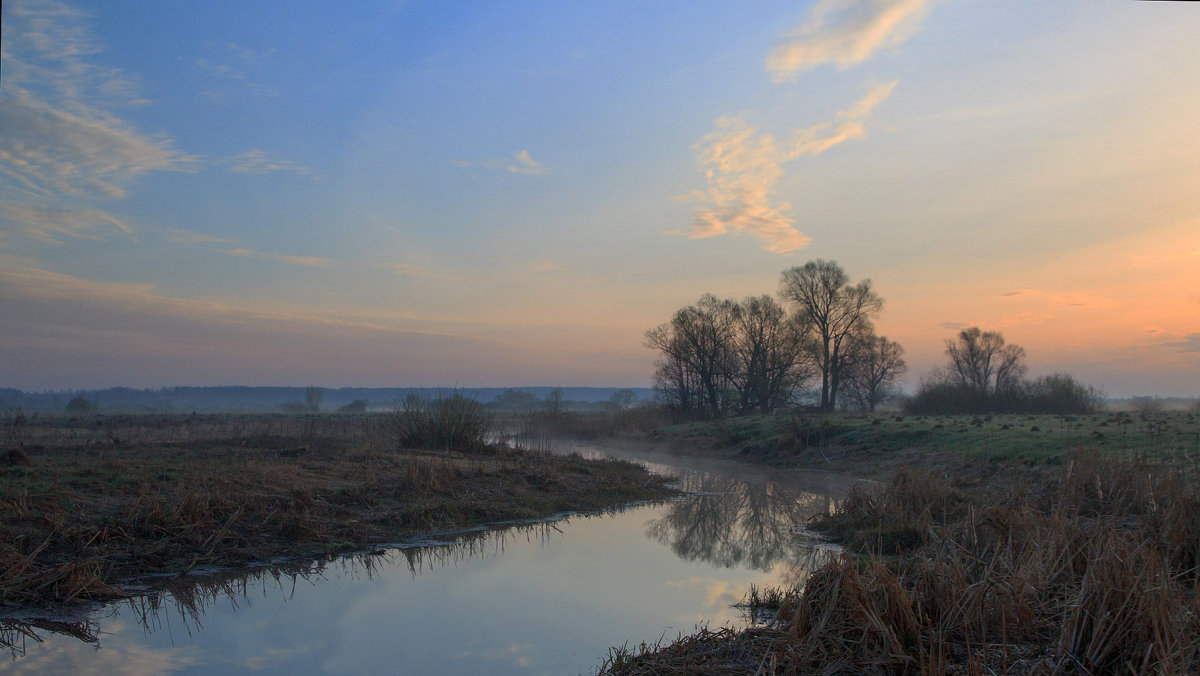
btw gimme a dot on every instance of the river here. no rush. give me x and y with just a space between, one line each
542 598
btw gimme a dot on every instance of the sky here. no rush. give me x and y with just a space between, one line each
511 193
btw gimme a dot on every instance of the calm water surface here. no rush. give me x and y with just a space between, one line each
546 598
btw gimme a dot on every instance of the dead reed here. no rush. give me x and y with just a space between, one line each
94 508
1091 569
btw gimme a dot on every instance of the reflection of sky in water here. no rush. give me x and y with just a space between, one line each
547 600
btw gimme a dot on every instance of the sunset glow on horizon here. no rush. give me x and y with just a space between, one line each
511 193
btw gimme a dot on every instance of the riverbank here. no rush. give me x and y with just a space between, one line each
88 503
1044 548
876 445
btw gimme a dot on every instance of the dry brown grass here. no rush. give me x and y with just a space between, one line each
101 502
1089 570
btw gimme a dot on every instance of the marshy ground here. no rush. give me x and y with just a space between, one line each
993 544
90 502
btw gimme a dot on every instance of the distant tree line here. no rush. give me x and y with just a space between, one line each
984 374
555 401
725 356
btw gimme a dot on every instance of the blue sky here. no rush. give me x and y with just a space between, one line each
424 193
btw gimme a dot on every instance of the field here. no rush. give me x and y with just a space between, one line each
89 503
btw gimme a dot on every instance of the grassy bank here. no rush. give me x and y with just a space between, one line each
1088 565
87 503
875 445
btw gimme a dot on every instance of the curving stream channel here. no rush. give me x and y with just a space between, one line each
542 598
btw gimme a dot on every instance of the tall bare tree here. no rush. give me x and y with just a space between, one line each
835 309
981 362
768 354
719 356
696 347
312 398
873 368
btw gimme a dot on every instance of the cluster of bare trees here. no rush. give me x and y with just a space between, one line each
985 374
722 356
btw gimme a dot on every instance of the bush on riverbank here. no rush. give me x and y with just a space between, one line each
453 423
1057 394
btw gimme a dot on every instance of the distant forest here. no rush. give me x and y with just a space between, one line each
257 399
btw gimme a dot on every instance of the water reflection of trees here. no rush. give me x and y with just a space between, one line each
731 522
189 598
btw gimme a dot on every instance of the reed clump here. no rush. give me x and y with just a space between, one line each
454 423
1089 570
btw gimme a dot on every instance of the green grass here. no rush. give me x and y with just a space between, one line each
1023 438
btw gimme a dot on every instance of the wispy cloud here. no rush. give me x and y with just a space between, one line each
418 271
519 163
46 45
47 151
180 236
742 166
845 32
59 130
310 261
53 326
524 164
545 266
258 161
52 223
1018 293
1190 343
237 65
954 326
406 269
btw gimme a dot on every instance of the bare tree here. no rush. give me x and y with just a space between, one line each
768 355
312 398
834 309
622 399
981 362
554 401
676 384
696 345
987 375
873 368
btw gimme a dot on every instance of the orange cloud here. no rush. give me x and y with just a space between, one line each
545 266
845 33
310 261
1017 293
742 167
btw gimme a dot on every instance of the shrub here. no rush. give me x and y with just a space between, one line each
81 405
1057 394
946 398
1062 394
454 423
1145 406
356 406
